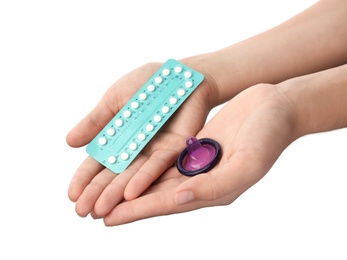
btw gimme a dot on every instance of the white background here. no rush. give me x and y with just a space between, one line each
57 58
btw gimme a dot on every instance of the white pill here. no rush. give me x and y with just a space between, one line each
158 80
188 84
133 146
157 118
127 113
102 140
149 128
143 96
178 69
124 156
141 137
173 101
111 132
135 104
165 109
119 122
111 159
151 88
181 92
187 74
166 72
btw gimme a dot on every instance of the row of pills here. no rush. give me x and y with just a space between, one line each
149 128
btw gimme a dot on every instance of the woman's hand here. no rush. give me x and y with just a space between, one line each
253 130
97 190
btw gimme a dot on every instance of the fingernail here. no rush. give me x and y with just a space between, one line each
184 197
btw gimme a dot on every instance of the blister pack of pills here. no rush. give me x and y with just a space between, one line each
122 139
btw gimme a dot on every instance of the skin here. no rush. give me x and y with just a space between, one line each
284 111
308 44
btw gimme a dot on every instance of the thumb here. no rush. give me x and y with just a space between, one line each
217 183
91 124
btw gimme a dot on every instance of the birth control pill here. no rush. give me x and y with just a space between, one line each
151 88
127 113
135 105
124 156
102 140
141 137
178 69
187 74
166 72
181 92
111 132
149 128
173 101
143 96
157 118
111 159
165 109
158 80
119 122
188 84
132 146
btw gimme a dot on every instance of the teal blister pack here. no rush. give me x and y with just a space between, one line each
122 139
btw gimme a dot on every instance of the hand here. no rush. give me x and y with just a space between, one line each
253 129
97 190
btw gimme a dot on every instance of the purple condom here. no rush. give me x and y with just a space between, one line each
199 156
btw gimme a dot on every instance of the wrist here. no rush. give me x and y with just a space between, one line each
224 78
209 89
318 100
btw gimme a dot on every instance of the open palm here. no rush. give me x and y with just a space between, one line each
253 130
96 189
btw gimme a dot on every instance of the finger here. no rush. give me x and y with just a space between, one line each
92 124
158 200
151 205
113 194
94 215
160 161
83 176
157 203
171 173
225 179
91 193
